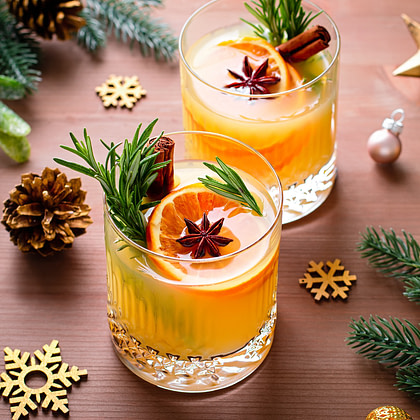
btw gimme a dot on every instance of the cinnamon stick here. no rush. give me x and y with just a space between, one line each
164 181
305 45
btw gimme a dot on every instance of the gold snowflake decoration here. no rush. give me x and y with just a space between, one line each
20 367
119 90
336 281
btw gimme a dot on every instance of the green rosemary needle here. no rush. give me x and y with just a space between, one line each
234 188
125 178
280 20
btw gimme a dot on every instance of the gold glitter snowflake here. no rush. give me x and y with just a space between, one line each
336 281
20 367
122 91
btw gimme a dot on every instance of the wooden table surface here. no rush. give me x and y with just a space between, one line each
310 373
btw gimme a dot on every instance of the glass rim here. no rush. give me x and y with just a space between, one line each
255 96
269 229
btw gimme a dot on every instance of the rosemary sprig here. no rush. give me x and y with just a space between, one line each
280 20
234 188
124 178
394 343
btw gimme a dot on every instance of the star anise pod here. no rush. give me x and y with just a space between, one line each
206 236
256 80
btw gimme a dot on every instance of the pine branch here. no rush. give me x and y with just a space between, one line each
130 21
395 343
391 255
395 257
19 53
412 289
408 379
148 3
92 36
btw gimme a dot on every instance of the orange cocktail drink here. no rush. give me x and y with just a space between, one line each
293 124
198 324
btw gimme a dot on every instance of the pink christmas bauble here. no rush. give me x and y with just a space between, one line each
384 146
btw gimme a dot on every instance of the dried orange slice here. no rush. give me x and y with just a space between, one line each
166 224
258 50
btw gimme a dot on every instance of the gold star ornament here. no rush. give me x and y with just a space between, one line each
412 66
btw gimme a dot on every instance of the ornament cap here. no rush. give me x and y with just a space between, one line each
395 126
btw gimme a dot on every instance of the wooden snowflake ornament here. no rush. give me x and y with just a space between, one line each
122 91
336 281
57 377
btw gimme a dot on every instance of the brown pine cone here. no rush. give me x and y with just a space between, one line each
45 213
49 17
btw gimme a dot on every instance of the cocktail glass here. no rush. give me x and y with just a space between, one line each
294 129
197 325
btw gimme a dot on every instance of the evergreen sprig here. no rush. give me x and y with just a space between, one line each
395 257
19 56
280 20
125 178
412 288
129 21
394 343
408 380
92 35
234 188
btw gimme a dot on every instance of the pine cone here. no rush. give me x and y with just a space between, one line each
49 17
45 213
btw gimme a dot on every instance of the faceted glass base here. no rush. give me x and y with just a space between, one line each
194 374
302 199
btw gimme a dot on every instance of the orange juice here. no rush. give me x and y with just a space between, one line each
197 324
294 126
214 308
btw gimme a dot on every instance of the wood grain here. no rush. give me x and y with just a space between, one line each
310 374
